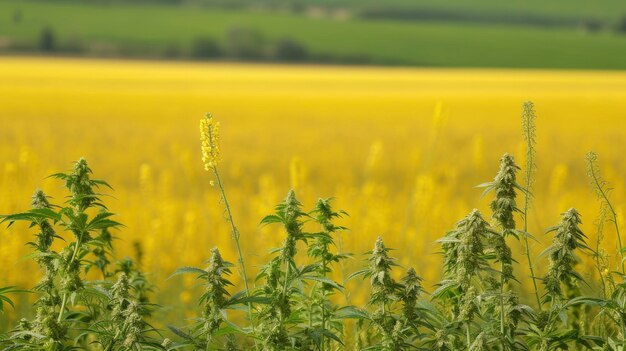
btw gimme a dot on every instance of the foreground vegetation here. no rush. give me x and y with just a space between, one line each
297 304
570 35
409 180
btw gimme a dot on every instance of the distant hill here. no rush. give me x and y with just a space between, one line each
480 33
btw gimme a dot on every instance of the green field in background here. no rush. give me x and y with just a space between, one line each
144 30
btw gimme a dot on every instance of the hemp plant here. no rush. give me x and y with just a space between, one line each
62 282
211 157
125 327
612 318
503 208
395 314
465 267
603 190
320 249
529 133
549 331
283 279
71 310
215 300
477 305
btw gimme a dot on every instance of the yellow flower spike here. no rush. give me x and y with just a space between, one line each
210 140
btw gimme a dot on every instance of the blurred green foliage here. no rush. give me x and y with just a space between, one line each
481 33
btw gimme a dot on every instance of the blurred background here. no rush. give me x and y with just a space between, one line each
481 33
306 100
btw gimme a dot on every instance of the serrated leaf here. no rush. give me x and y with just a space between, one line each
186 270
351 312
271 219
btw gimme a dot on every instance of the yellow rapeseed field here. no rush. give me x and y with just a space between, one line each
400 149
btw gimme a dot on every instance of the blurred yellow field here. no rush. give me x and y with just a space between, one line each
400 149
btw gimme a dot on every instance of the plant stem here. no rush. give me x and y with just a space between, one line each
285 285
235 235
529 136
527 196
597 253
604 196
502 299
287 273
64 300
323 306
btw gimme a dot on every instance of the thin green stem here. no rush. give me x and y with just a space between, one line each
530 263
311 308
285 286
527 196
287 273
528 130
64 300
323 307
502 299
604 196
235 235
597 253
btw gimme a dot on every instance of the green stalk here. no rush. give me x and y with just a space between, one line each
502 302
529 132
287 273
323 307
64 300
527 249
235 235
285 284
597 253
604 196
311 311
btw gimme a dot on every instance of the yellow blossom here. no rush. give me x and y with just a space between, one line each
210 139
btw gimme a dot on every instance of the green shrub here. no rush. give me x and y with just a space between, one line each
205 47
290 50
47 40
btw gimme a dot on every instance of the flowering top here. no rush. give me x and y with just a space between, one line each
568 238
210 139
504 185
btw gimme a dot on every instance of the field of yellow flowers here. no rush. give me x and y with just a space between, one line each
400 149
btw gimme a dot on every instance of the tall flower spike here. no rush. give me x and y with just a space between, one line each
120 297
503 207
568 238
45 238
210 147
133 325
216 296
504 184
412 289
468 307
383 285
602 190
293 225
44 241
80 185
210 139
530 137
471 231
